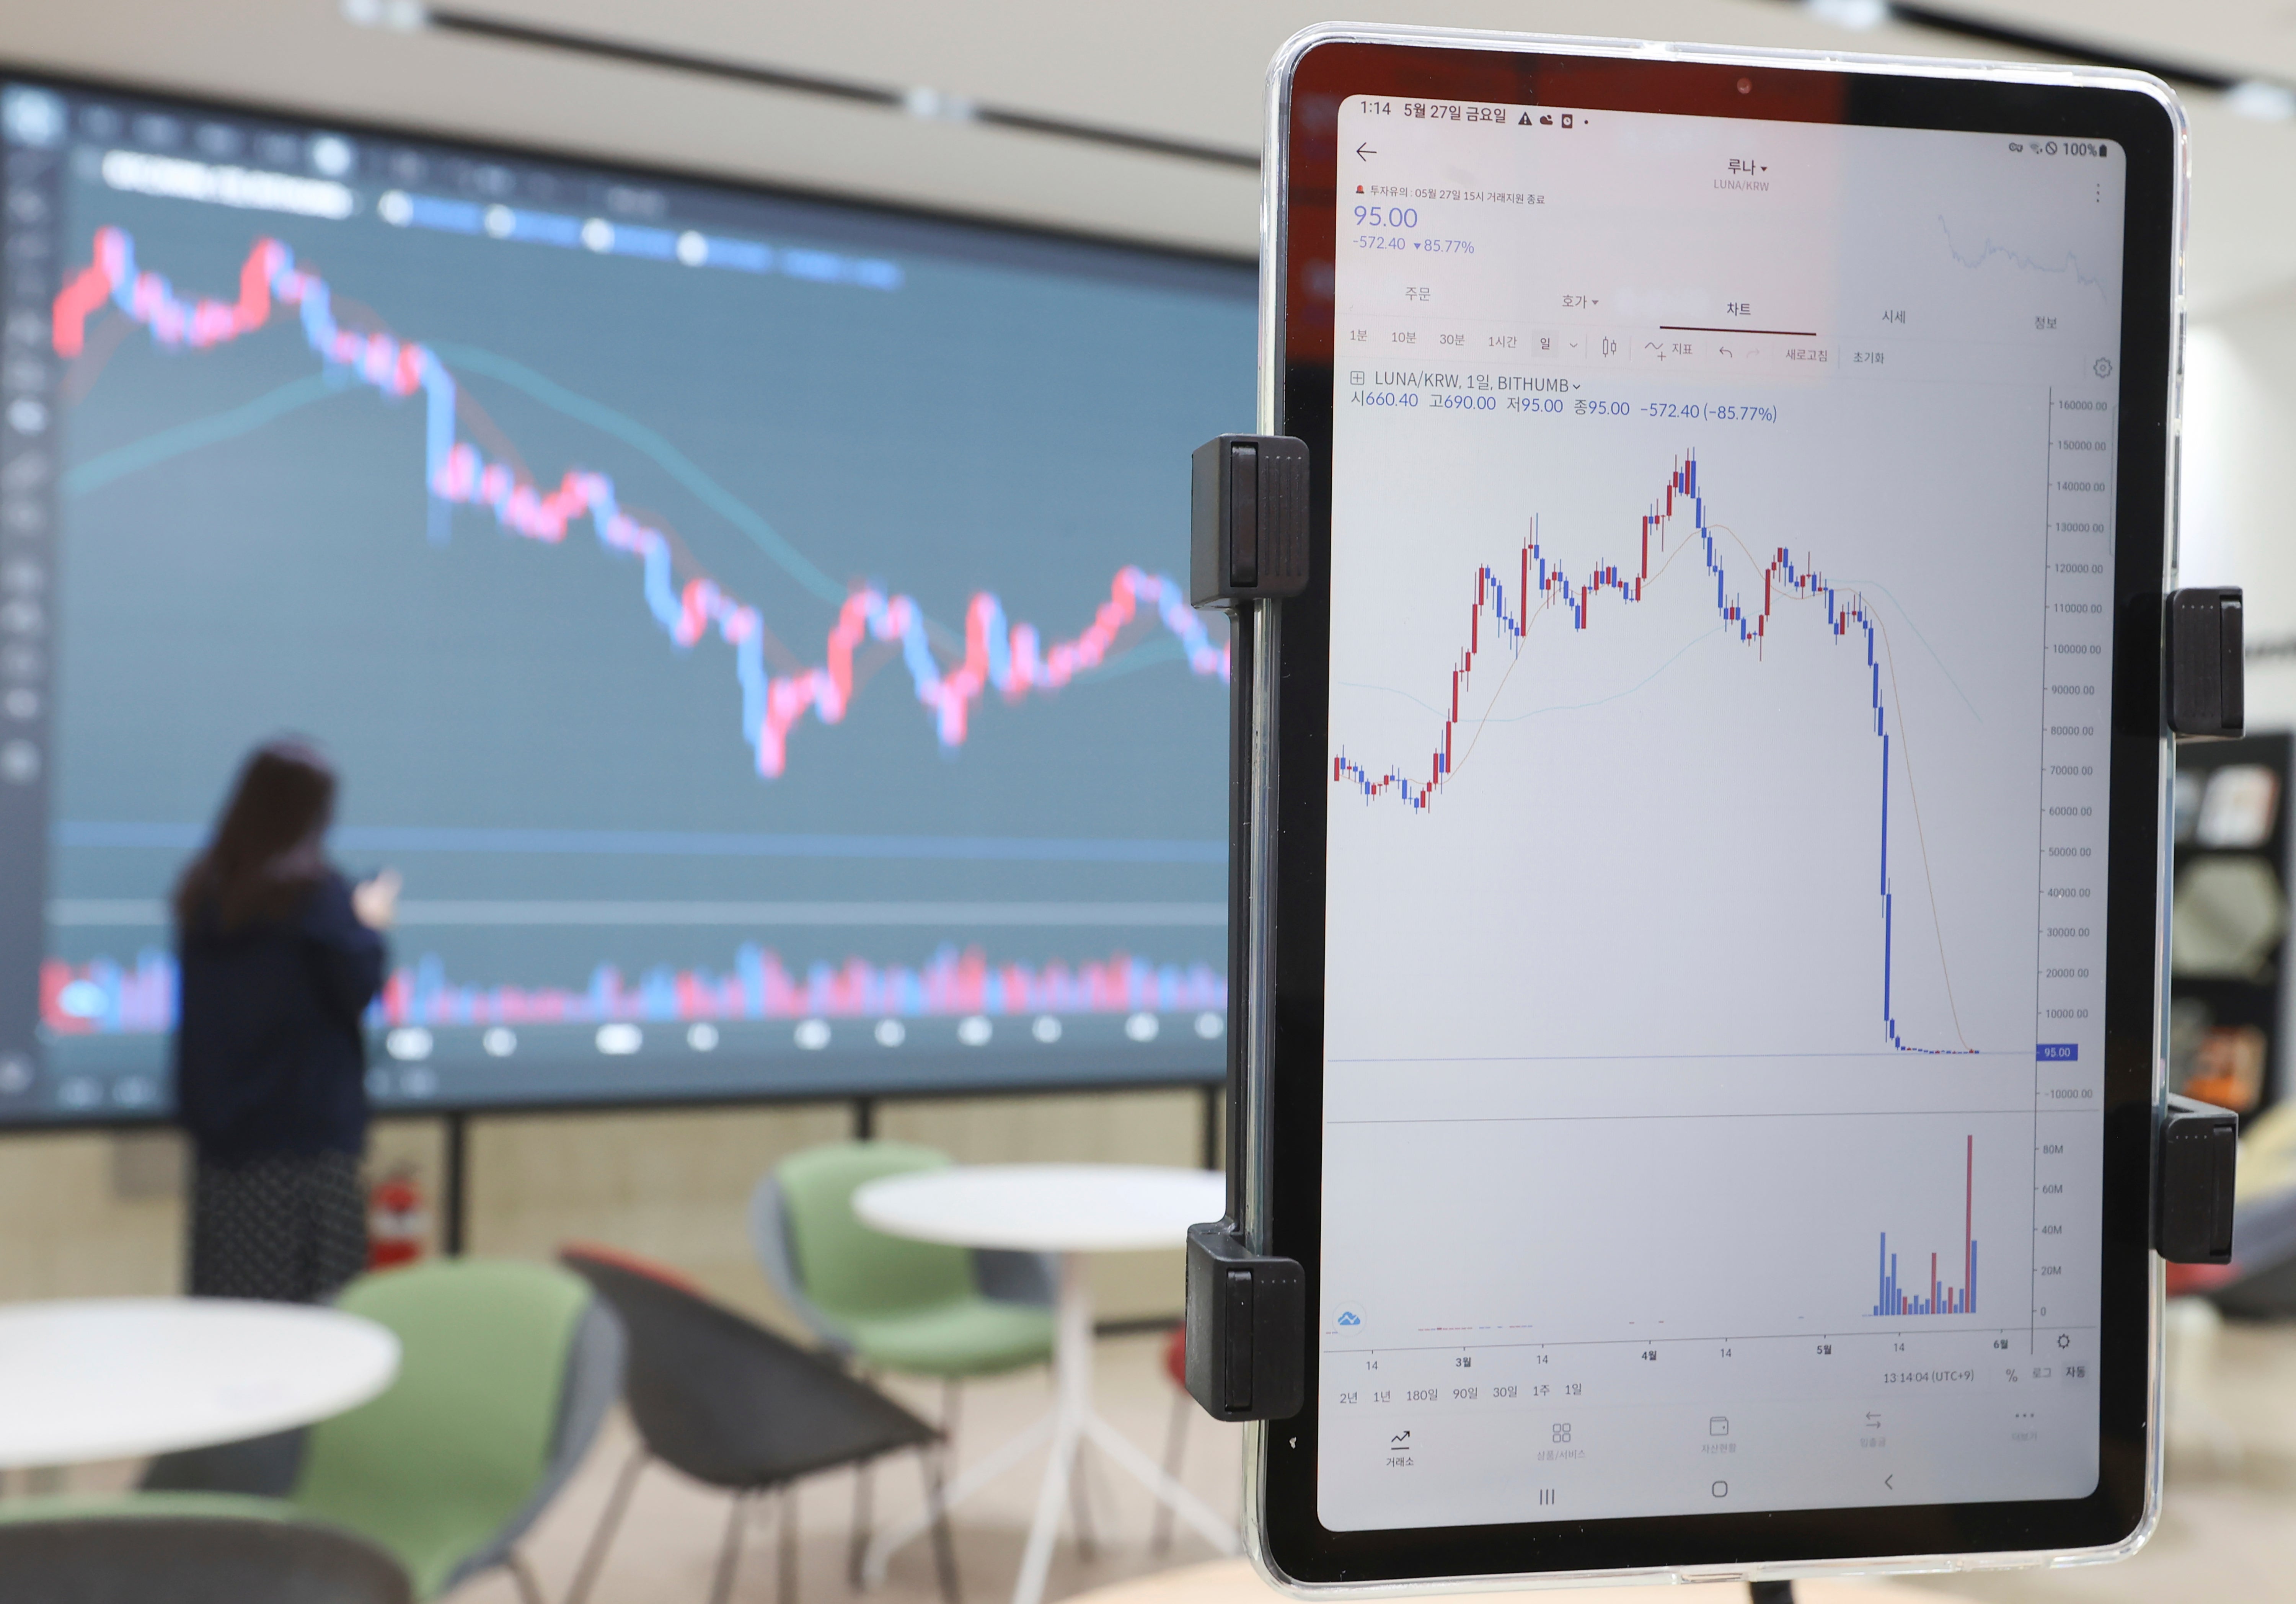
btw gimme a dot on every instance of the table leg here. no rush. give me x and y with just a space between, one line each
1068 1425
881 1548
1072 1418
1151 1476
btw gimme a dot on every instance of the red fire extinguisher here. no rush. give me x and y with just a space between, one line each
396 1223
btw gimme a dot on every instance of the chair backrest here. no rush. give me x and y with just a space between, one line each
769 1239
849 1270
506 1371
263 1467
116 1558
723 1399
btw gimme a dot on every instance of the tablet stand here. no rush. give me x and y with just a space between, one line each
1247 1312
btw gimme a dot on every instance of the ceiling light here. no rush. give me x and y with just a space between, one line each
935 105
404 16
2266 103
1859 14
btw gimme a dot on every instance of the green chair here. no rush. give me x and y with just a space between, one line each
506 1371
889 1303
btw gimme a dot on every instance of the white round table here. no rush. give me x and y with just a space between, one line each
1068 1210
109 1379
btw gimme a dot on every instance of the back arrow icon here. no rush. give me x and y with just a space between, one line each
1364 152
1890 1481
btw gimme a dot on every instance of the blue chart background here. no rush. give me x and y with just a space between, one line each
1014 418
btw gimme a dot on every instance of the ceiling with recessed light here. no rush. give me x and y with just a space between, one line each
1188 70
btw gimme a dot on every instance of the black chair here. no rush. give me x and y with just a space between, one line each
132 1558
723 1400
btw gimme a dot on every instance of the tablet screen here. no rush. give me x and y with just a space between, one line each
1720 597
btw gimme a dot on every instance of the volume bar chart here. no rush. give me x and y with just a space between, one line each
1892 1296
103 997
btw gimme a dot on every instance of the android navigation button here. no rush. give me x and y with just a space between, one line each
1890 1481
1721 1489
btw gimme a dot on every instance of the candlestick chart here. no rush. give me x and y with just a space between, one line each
1007 657
1538 586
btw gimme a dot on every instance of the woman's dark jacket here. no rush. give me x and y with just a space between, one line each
270 1060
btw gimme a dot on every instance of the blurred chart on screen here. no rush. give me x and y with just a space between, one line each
752 626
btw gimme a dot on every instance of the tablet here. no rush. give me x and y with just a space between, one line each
1709 869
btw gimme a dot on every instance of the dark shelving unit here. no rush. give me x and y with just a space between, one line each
2209 1014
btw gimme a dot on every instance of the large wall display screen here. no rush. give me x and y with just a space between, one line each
751 625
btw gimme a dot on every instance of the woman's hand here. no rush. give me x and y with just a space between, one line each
376 901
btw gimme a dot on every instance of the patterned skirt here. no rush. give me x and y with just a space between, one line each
290 1229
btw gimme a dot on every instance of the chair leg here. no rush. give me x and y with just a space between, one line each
864 1485
1080 1504
944 1544
730 1554
940 1464
786 1585
594 1554
1175 1443
530 1589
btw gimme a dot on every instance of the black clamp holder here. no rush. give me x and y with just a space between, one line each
1247 1323
1251 520
1247 1327
2205 699
2197 1144
2194 1155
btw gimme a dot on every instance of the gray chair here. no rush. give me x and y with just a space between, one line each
125 1556
723 1400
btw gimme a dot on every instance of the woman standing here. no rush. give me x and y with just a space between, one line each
280 956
